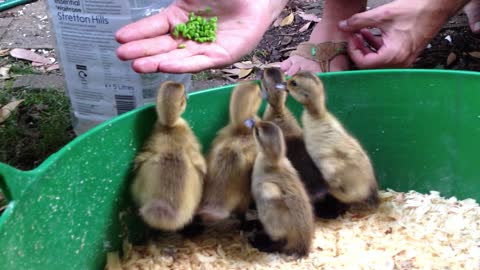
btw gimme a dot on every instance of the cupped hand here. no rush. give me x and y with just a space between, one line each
241 24
406 26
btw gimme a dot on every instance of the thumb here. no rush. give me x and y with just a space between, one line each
358 21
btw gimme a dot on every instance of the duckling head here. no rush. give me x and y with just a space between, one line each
307 89
271 79
171 102
269 140
244 102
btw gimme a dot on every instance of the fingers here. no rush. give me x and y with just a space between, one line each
192 64
149 27
362 20
375 42
193 58
151 63
363 57
146 47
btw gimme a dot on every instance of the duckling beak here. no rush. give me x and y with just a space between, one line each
281 86
250 123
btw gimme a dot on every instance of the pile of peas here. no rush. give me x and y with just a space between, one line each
197 28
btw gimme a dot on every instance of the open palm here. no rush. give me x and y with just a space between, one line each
241 24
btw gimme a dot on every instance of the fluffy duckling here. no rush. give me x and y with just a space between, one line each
343 162
170 168
282 202
277 112
231 157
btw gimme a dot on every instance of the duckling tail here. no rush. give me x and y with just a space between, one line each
154 211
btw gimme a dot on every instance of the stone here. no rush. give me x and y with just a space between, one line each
39 82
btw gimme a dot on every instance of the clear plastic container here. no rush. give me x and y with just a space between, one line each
99 85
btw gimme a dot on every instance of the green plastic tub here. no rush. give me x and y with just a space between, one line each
421 128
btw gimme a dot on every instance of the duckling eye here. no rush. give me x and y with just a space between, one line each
294 83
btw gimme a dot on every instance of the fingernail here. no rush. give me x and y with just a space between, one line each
476 27
343 24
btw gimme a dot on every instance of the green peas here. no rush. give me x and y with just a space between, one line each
197 28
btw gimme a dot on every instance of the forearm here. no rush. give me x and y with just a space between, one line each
337 10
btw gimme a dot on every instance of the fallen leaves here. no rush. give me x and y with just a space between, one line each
305 27
474 54
288 20
4 72
244 73
29 56
242 70
7 110
4 52
451 58
309 17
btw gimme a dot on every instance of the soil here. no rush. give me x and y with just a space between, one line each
279 42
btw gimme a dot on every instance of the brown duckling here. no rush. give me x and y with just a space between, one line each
170 169
231 157
343 162
282 202
325 205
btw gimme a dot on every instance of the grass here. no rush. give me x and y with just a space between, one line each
22 68
40 126
202 76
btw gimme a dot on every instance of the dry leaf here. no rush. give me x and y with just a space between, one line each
234 71
274 64
4 72
244 73
6 110
309 17
287 20
305 27
277 22
474 54
244 65
4 52
451 58
53 67
29 55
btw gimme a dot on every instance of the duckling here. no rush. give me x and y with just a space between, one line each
231 157
170 169
343 162
325 205
282 202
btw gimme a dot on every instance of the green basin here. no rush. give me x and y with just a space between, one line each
420 127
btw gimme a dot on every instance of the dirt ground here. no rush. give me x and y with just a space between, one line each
279 42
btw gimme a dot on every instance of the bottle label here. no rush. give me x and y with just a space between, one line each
99 85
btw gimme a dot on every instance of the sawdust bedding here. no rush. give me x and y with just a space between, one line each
408 231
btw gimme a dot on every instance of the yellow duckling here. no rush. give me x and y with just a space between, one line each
343 162
170 168
231 157
282 202
325 205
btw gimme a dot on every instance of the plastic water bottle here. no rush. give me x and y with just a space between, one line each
99 85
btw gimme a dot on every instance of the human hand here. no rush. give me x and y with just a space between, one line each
407 27
241 24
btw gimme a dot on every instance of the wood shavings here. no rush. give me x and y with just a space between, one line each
408 231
